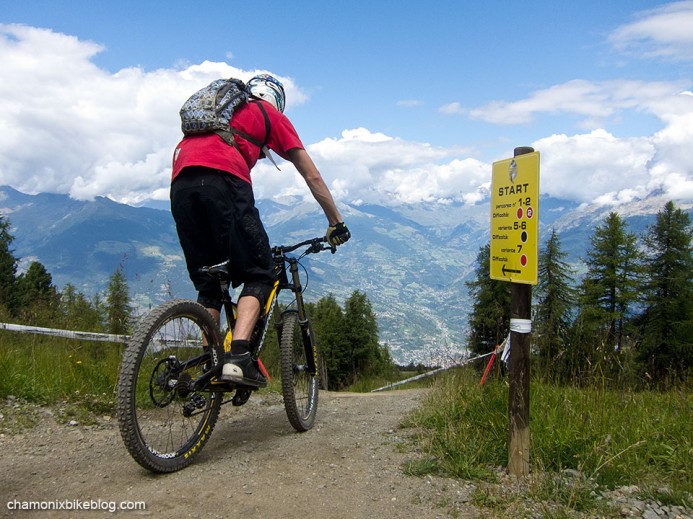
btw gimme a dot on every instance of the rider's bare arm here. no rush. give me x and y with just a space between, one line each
306 167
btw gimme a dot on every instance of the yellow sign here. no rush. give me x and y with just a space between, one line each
515 219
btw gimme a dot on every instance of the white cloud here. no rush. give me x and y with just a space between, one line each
663 32
597 165
588 166
595 101
67 126
672 166
453 109
362 166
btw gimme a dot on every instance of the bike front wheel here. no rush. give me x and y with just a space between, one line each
165 413
300 380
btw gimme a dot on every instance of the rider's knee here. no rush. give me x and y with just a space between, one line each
260 291
209 300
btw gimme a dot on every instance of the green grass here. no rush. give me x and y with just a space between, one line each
49 370
607 438
582 439
79 378
615 437
465 432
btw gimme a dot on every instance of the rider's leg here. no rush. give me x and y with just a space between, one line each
250 302
248 312
238 365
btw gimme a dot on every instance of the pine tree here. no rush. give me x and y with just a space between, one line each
361 332
37 298
348 340
555 300
328 323
8 267
667 322
78 312
489 320
118 309
610 288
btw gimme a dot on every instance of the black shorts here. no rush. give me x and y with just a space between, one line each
216 220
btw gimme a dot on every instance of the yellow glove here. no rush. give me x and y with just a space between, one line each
337 234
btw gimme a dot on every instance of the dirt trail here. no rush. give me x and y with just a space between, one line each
254 466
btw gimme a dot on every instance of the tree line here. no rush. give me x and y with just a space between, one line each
348 340
31 298
348 336
628 321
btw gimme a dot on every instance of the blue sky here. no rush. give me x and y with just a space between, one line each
396 101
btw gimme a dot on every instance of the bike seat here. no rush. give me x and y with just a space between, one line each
220 271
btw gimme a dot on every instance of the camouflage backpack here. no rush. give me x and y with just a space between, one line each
210 109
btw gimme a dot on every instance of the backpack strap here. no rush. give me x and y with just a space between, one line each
228 135
264 150
267 124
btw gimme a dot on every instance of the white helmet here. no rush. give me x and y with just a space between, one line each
268 88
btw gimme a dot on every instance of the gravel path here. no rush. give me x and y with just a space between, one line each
255 465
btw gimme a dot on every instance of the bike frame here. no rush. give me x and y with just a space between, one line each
291 281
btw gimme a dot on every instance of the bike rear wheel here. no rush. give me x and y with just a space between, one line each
300 382
164 420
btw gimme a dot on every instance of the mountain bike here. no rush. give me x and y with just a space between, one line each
169 391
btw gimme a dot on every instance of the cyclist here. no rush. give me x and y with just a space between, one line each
216 219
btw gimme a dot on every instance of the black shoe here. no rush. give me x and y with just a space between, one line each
241 369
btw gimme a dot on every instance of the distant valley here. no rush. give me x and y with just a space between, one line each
411 260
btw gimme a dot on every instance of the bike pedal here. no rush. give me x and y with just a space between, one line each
241 397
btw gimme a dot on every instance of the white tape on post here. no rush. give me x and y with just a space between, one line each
521 325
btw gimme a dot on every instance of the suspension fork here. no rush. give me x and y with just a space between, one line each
297 289
306 331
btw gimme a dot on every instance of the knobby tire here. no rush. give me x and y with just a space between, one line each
164 422
299 387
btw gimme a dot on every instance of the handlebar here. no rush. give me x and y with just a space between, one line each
315 245
221 270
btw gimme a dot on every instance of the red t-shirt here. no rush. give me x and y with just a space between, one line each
212 151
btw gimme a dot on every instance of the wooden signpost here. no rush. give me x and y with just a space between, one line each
514 258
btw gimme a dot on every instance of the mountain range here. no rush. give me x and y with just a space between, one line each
411 260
